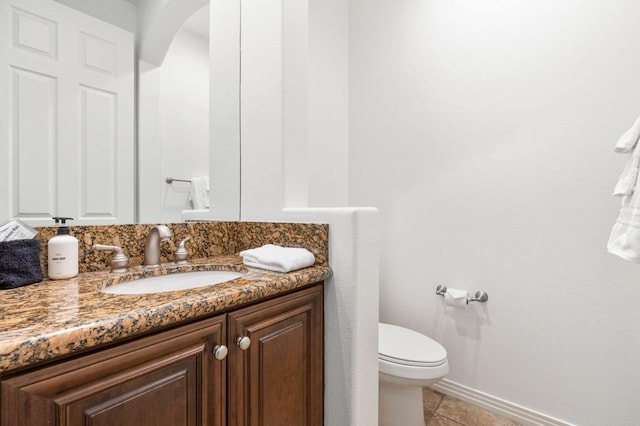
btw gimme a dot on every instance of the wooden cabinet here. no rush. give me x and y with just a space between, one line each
173 378
278 379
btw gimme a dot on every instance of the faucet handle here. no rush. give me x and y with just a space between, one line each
181 254
119 261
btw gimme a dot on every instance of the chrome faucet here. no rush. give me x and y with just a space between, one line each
152 247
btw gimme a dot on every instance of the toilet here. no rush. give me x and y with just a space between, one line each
407 361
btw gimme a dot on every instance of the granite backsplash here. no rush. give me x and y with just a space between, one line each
208 239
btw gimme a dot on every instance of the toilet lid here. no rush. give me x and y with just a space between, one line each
407 347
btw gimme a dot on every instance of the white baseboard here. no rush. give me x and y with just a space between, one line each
496 405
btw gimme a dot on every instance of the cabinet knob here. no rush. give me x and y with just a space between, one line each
220 352
243 342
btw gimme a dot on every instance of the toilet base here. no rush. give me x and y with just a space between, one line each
400 405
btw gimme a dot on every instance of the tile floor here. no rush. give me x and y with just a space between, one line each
442 410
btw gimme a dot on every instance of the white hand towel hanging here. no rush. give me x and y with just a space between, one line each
199 194
276 258
630 138
624 240
629 177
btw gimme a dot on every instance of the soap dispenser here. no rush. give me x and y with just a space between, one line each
63 252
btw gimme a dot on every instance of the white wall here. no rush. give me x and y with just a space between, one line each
184 119
277 102
310 125
261 113
158 21
328 110
116 12
484 133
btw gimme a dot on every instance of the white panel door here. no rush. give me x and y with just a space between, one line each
66 115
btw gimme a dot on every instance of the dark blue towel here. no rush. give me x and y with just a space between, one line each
19 263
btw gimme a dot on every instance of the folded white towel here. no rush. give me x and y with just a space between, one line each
199 194
630 138
276 258
629 177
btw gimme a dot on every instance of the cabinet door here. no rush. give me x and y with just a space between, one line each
171 378
278 379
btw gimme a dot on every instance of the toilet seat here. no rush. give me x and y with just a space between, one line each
408 354
407 347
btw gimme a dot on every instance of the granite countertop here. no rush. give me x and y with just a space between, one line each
52 319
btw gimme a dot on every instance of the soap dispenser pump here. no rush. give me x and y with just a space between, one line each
63 252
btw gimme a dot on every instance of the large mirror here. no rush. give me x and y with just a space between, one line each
147 143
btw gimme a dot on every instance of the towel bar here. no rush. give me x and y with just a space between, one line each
480 296
170 180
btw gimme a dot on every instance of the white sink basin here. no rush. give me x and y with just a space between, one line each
172 282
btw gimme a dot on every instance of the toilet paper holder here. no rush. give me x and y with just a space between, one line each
480 296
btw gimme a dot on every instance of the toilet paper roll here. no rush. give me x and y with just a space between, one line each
456 298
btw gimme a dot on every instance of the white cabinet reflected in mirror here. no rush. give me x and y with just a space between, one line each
70 142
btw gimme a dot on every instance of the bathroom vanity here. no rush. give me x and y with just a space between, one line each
272 374
243 352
